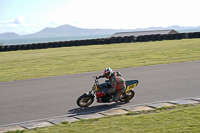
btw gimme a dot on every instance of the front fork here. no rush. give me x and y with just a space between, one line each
88 94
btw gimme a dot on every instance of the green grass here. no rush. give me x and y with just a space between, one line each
177 119
18 65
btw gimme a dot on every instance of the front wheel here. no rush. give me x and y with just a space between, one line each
129 95
85 101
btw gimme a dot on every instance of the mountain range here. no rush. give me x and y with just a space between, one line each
68 30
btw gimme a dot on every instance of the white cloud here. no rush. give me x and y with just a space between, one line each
19 26
111 14
14 25
19 20
31 25
53 23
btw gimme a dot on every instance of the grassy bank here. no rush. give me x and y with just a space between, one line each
18 65
177 119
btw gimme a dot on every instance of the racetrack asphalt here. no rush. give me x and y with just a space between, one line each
32 99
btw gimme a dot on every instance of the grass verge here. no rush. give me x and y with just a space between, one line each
174 119
18 65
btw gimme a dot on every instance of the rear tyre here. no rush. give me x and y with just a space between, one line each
84 101
129 95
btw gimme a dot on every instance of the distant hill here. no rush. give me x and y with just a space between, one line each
68 30
9 35
61 31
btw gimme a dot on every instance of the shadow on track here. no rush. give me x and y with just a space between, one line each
94 109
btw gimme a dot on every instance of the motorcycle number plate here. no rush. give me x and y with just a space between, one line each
131 87
94 88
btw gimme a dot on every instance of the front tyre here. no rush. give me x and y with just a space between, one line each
85 101
129 95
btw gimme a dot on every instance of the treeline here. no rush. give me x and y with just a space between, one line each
126 39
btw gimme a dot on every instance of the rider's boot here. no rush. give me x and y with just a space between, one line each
112 100
98 100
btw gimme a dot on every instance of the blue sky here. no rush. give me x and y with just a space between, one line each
30 16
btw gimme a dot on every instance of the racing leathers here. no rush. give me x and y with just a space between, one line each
118 85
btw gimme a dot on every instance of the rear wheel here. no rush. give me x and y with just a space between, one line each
84 101
129 95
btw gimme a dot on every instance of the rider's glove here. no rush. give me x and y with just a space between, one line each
98 77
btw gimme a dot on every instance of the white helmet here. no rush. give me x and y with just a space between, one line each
107 72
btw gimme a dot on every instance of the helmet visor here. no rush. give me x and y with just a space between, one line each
107 74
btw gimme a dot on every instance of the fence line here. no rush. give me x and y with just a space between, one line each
126 39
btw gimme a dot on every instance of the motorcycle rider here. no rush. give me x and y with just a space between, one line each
117 82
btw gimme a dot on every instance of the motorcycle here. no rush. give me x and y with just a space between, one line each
87 99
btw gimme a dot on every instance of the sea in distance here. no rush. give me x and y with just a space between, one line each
50 39
66 38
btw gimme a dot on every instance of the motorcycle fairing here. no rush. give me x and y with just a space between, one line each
88 94
99 94
94 88
130 84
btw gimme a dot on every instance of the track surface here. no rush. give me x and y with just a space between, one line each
33 99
